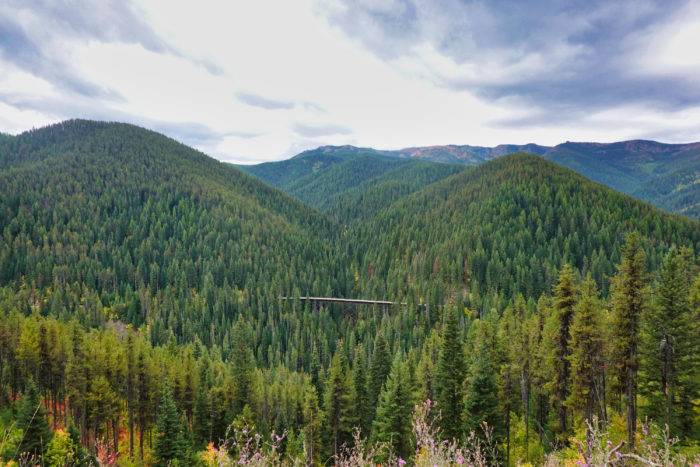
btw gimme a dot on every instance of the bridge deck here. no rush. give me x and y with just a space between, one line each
344 300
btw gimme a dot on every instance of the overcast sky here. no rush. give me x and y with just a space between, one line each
247 81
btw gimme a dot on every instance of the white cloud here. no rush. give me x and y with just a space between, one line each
263 80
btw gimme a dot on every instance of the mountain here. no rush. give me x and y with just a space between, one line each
505 227
147 288
140 228
348 182
462 154
666 175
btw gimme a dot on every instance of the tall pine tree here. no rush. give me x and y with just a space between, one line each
378 371
169 444
449 377
564 302
339 404
393 422
31 421
629 300
587 396
670 348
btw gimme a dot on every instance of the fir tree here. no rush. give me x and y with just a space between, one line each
31 421
313 419
168 446
670 347
242 366
378 371
392 424
564 303
586 359
449 378
629 300
339 404
359 378
481 393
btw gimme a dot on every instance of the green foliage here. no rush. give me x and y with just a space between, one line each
449 377
392 424
128 260
31 421
564 303
339 405
481 403
663 174
630 300
587 395
378 371
169 445
670 352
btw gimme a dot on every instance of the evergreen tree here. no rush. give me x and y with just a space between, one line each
392 424
31 421
242 366
449 378
313 419
587 396
481 393
168 446
629 300
378 371
670 350
564 303
201 420
339 404
359 378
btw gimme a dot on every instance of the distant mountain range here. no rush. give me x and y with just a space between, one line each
666 175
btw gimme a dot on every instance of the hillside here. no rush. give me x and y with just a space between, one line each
503 228
141 285
666 175
282 174
139 228
348 183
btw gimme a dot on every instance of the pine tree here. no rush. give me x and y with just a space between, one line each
359 378
311 430
378 371
242 363
449 378
564 303
169 444
670 346
629 300
587 396
481 393
201 420
339 404
392 424
31 421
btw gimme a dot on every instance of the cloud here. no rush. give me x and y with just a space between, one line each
320 130
60 108
263 102
37 34
558 55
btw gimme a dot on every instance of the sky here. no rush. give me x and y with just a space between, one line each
252 81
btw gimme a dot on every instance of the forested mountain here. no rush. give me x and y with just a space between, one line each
137 227
348 183
141 316
666 175
506 227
